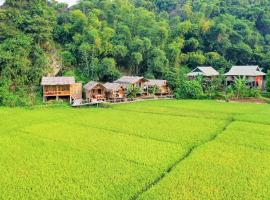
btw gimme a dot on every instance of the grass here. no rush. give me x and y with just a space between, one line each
147 150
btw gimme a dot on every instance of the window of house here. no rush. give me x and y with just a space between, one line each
99 91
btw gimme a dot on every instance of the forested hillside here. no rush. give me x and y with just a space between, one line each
102 39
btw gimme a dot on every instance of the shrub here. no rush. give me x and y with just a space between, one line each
266 94
15 96
133 91
240 88
189 89
254 92
268 81
153 90
214 87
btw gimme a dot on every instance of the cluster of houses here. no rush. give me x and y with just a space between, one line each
66 87
253 74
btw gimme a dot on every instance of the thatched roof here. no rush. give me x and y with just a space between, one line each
130 79
57 80
112 86
159 83
245 71
203 71
91 85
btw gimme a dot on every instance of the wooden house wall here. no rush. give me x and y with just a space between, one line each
140 83
56 90
115 93
164 89
97 90
76 91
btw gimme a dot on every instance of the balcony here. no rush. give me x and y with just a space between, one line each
57 93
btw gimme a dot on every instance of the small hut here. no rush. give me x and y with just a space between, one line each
253 74
114 90
207 72
95 91
162 86
61 87
127 81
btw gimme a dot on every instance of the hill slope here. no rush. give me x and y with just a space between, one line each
100 39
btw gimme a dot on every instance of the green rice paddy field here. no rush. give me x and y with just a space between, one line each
153 150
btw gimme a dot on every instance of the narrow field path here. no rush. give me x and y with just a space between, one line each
113 131
178 162
169 114
196 117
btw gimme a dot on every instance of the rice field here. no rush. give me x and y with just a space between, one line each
150 150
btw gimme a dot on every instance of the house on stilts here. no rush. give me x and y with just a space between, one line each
253 74
162 87
61 88
208 73
95 91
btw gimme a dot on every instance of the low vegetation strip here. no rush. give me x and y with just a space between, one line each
90 153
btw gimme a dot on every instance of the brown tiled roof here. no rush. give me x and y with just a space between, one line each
61 80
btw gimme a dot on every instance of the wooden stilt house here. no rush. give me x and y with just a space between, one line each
253 74
208 73
133 81
114 90
61 87
162 86
95 91
127 81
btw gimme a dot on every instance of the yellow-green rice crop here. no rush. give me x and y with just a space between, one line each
148 150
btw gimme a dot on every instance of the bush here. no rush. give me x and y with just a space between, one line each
189 90
133 91
254 92
240 88
268 81
15 97
153 90
266 94
213 88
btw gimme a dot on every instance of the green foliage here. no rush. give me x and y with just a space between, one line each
195 59
189 90
99 40
213 88
133 91
268 81
153 90
107 70
254 92
240 88
26 37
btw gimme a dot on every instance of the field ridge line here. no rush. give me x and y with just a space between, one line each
170 114
120 132
179 161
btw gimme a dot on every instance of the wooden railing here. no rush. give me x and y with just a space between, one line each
57 93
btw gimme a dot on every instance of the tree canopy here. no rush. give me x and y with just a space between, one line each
102 39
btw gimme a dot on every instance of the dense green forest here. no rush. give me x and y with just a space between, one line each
102 39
